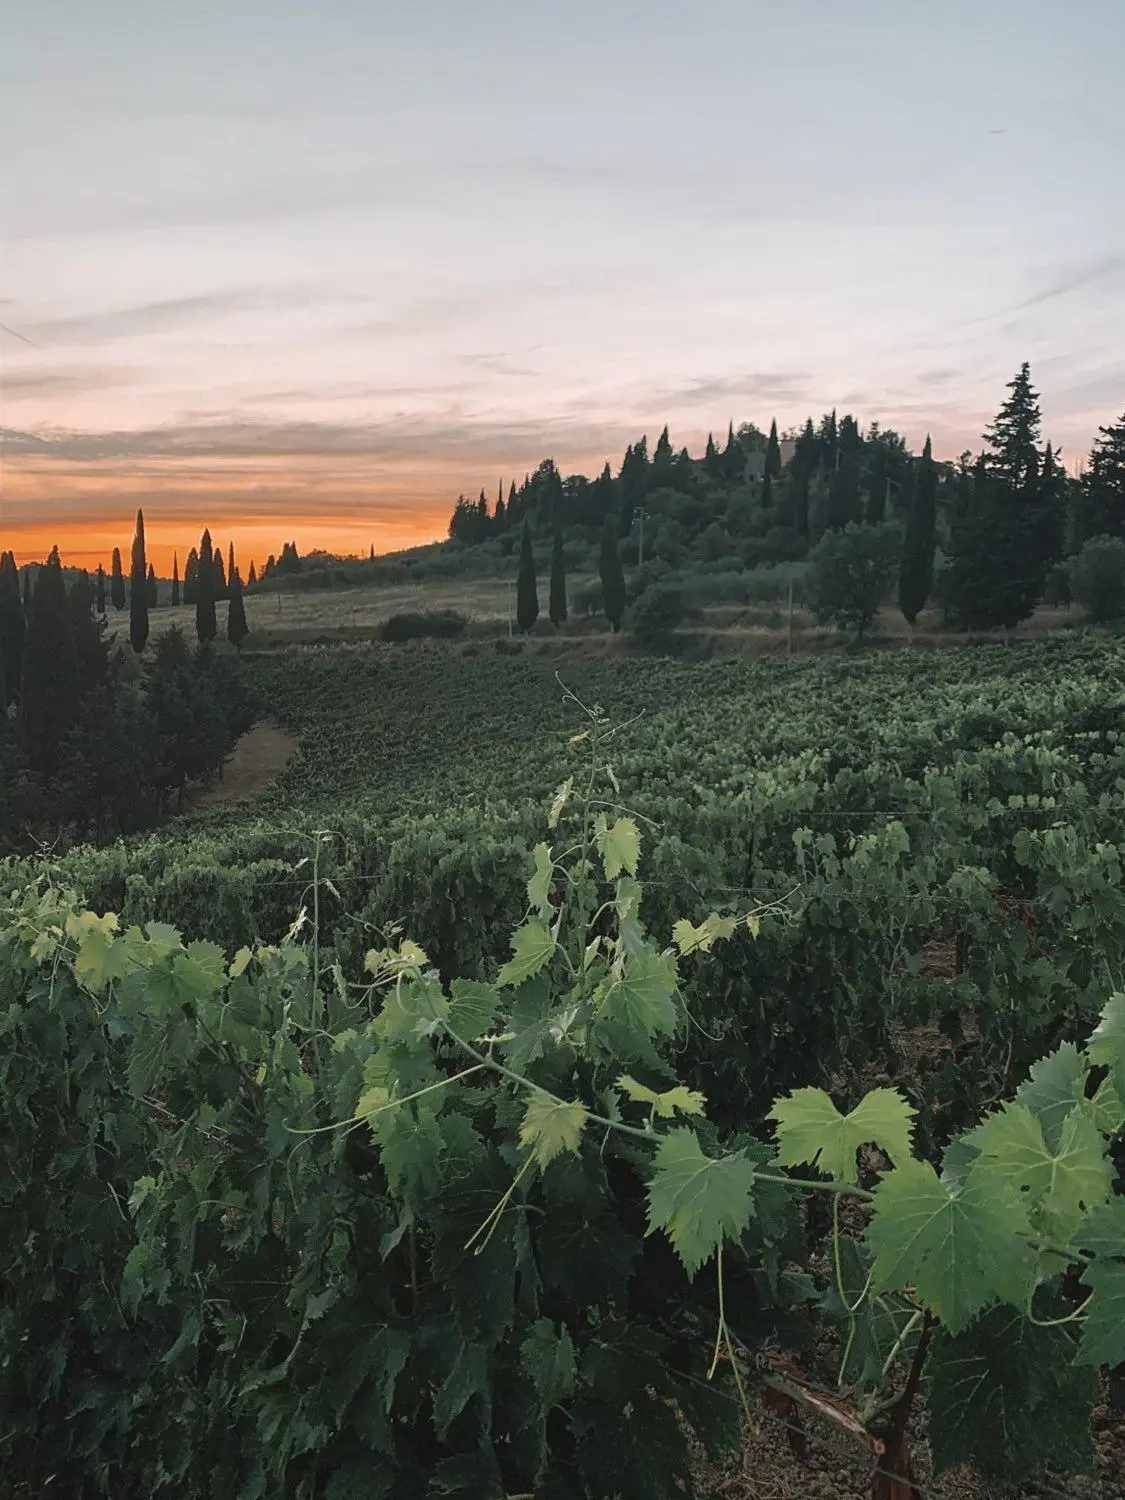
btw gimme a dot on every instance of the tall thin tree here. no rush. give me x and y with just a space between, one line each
117 581
916 568
557 605
612 576
99 590
138 589
175 578
13 628
237 628
205 592
527 593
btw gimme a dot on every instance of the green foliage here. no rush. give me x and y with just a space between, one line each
205 591
12 630
659 611
138 589
444 624
916 568
527 594
557 609
850 575
1097 578
612 577
237 628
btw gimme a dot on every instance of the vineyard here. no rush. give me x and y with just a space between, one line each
566 1060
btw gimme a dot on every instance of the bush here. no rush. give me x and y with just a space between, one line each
440 624
1097 578
588 600
851 572
660 610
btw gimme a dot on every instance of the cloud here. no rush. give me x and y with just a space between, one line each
1075 276
32 385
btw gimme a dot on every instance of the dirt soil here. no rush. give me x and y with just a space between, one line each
257 759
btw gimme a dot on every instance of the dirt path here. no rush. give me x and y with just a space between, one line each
258 757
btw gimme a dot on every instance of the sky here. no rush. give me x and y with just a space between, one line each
308 271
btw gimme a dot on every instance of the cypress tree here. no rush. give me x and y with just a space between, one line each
711 465
138 589
558 580
527 595
175 578
99 590
230 564
252 576
90 655
205 592
117 581
13 628
916 569
767 493
773 453
237 628
151 592
612 577
219 574
48 683
27 592
733 458
191 577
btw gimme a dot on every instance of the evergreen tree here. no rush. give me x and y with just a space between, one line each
1099 506
767 495
116 581
138 589
218 574
612 577
916 569
191 577
237 628
558 580
733 459
205 592
633 483
252 577
844 499
712 465
370 558
802 470
87 646
175 578
773 453
1011 442
230 565
99 590
49 681
13 627
151 592
527 595
27 589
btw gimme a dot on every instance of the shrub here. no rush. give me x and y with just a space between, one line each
588 601
440 624
660 610
851 573
1097 577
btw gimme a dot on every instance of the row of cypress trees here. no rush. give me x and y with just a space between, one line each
527 586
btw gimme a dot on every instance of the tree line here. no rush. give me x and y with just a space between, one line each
97 739
986 538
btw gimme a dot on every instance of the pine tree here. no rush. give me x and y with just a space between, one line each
558 580
773 453
13 628
205 592
99 590
612 577
1011 442
916 569
237 628
175 578
191 577
151 593
138 589
527 595
1099 506
49 681
116 581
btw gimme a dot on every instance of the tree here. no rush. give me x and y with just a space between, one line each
230 563
86 643
916 570
237 628
712 464
175 578
527 595
99 590
116 581
1011 442
844 497
219 574
13 628
191 577
205 592
612 577
557 608
1097 578
773 453
252 577
151 593
1099 508
138 589
49 683
851 573
733 458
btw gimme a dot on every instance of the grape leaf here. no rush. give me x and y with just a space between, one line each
958 1245
532 949
1107 1043
548 1359
811 1129
410 1147
686 1100
690 939
1059 1186
1109 1108
100 957
1055 1085
413 1010
551 1126
619 846
472 1008
641 998
1103 1235
558 802
467 1378
1005 1396
539 885
698 1200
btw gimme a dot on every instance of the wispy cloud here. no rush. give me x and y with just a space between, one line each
1075 276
